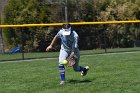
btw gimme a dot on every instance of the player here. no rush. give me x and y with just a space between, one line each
69 48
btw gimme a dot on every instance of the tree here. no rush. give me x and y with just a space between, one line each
120 35
24 12
43 11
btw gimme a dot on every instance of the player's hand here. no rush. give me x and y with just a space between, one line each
49 48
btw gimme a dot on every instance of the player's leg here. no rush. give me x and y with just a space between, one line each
62 73
78 68
62 56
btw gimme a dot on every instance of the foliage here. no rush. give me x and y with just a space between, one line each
44 11
123 33
24 12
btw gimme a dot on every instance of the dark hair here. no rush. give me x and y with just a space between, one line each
66 25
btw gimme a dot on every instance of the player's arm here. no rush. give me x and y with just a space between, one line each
52 43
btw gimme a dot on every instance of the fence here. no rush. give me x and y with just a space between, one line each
95 37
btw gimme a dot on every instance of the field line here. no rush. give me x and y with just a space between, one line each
104 54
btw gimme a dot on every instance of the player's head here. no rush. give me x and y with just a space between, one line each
66 26
66 29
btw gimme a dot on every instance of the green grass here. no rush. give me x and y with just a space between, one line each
118 73
18 56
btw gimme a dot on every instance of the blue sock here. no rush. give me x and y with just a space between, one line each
82 68
62 72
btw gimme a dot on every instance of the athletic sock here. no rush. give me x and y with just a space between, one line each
62 72
82 68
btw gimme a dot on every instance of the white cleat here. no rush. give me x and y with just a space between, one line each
62 82
84 73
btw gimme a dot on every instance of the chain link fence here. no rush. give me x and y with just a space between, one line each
93 39
29 42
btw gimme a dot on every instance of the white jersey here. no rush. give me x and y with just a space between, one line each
68 42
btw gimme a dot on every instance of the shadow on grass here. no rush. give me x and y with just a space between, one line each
79 81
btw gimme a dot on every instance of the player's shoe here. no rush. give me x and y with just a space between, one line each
83 73
62 82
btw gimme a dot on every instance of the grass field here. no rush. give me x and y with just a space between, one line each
114 73
34 55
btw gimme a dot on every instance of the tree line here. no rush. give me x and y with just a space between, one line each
95 36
